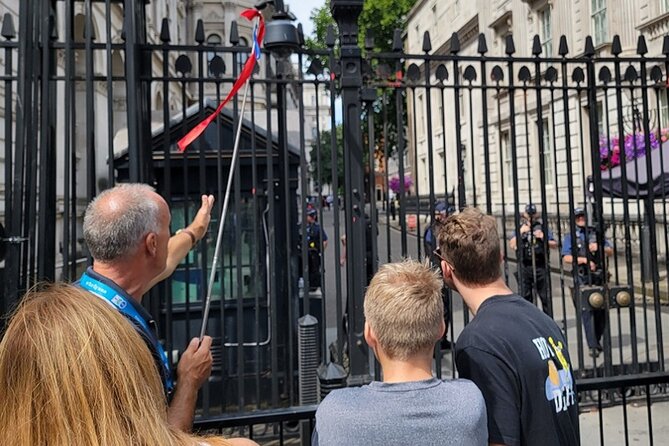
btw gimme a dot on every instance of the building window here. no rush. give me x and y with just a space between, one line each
664 107
443 170
421 117
599 21
546 32
508 159
664 5
423 163
600 118
548 154
212 40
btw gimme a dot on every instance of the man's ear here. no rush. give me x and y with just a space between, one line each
370 337
446 270
442 329
151 243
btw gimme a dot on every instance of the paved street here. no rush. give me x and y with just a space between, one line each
646 345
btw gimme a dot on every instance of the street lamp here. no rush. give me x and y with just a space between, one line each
281 36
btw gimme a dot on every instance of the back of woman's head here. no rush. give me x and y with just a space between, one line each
73 371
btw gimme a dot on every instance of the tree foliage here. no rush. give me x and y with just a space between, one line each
379 18
325 161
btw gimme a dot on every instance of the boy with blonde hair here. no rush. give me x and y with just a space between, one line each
404 320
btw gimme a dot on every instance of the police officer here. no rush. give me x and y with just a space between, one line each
314 235
589 272
532 258
430 243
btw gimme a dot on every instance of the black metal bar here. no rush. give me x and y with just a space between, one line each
46 249
401 147
334 168
285 211
502 155
558 206
110 95
391 208
462 199
626 215
470 124
90 104
71 136
9 143
570 194
18 254
650 415
543 183
133 26
598 210
274 279
346 14
650 214
486 136
258 287
415 165
622 381
281 415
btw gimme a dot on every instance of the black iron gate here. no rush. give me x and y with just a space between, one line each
97 92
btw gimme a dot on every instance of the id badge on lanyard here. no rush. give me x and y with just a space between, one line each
120 303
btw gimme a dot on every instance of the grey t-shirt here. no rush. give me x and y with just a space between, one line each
430 412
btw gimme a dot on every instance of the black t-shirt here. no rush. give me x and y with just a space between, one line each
519 359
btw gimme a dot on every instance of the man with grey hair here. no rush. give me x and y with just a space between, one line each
404 320
127 231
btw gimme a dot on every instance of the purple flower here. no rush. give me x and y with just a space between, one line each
394 183
634 146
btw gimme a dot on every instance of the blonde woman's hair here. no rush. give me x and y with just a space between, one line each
469 242
73 371
404 308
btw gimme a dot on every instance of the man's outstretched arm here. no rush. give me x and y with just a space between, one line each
180 244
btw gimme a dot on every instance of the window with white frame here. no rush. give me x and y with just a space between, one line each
546 32
421 117
505 143
442 169
599 23
601 121
664 107
549 170
664 5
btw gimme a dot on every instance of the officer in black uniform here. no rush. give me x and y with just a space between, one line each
533 267
430 244
590 271
316 237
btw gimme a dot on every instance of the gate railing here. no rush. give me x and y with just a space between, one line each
83 111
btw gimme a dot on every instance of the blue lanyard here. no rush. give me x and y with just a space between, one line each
109 295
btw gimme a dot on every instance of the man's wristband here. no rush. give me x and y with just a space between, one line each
193 239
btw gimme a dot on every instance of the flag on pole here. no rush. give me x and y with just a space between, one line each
258 35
